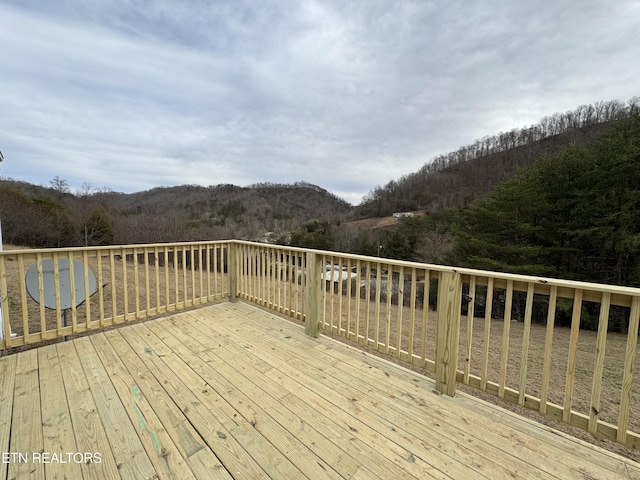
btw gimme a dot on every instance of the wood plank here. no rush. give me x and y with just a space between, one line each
348 328
87 425
101 285
484 375
571 361
596 390
7 383
87 292
412 314
26 423
6 322
504 350
127 448
358 293
23 299
43 322
627 378
387 328
425 316
114 291
125 286
376 313
448 331
57 429
399 310
469 337
528 312
160 448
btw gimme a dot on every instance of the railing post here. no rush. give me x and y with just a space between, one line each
314 293
232 265
448 331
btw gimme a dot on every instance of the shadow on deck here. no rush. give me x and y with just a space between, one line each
232 391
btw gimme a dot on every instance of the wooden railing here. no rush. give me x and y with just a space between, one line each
131 282
516 337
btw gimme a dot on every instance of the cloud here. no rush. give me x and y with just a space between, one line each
346 95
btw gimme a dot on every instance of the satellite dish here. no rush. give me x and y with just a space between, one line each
49 286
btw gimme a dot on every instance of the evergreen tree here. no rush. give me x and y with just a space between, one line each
575 216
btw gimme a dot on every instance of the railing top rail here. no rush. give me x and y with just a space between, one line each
31 251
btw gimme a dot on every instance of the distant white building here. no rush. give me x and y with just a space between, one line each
402 214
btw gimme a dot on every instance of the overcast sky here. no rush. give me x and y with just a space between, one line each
346 94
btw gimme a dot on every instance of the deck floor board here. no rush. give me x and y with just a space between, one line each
234 391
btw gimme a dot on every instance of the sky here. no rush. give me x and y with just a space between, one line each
128 95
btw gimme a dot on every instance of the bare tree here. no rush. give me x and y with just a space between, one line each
60 186
434 246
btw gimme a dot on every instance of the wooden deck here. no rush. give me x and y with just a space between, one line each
232 391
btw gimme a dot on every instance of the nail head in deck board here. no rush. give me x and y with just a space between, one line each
7 383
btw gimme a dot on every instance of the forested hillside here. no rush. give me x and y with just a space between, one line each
53 216
455 179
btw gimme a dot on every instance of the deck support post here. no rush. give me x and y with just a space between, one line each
313 282
448 331
232 263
